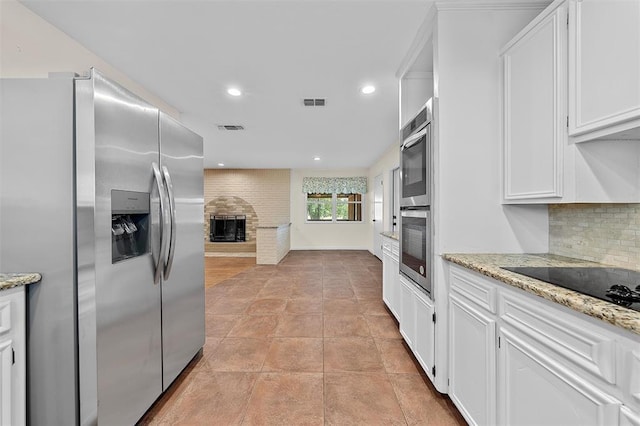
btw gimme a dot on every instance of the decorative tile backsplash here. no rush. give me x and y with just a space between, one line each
605 233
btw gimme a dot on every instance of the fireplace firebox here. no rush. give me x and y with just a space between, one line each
227 228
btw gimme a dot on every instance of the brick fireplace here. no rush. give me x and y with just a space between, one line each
231 207
263 196
227 228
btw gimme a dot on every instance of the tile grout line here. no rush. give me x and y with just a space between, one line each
324 407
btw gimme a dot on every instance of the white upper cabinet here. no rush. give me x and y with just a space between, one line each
604 69
534 128
573 75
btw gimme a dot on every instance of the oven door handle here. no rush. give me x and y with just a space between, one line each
414 213
408 143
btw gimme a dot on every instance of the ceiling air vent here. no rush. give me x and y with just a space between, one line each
313 102
230 127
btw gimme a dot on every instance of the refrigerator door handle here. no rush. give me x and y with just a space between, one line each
158 178
172 215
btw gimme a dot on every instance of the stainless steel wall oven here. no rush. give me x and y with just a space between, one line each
415 200
415 155
415 246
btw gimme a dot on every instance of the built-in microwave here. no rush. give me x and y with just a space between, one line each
415 160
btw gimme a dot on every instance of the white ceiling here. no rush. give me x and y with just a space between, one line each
277 52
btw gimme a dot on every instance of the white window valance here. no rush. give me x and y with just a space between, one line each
338 185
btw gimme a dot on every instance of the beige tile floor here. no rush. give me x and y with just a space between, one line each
307 342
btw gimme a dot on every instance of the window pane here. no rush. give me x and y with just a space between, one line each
349 207
319 207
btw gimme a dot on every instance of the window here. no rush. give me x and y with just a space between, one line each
320 207
349 207
334 207
334 199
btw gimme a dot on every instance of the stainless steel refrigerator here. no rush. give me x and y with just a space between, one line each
102 193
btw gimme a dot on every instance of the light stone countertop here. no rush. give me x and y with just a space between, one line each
490 265
283 225
8 281
389 234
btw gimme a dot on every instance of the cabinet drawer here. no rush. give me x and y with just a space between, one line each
5 316
474 288
538 389
632 371
391 247
567 336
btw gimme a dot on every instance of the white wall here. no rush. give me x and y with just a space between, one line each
385 165
416 88
471 217
30 47
324 236
467 212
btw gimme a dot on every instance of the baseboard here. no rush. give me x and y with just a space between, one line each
230 254
330 248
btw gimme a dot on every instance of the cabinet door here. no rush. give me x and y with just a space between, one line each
425 332
12 357
390 284
604 64
472 361
395 288
534 117
628 417
407 313
6 382
536 390
386 278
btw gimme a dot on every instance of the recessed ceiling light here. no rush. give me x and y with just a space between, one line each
221 164
316 158
234 91
367 90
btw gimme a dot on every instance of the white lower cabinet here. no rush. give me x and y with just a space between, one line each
407 312
472 362
6 381
629 417
417 324
12 357
413 309
424 340
536 389
391 276
516 359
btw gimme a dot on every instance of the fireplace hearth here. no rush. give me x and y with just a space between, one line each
227 228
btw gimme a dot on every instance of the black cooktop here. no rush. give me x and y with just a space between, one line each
615 285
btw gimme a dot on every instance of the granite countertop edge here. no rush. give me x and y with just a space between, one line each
11 280
389 234
490 265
